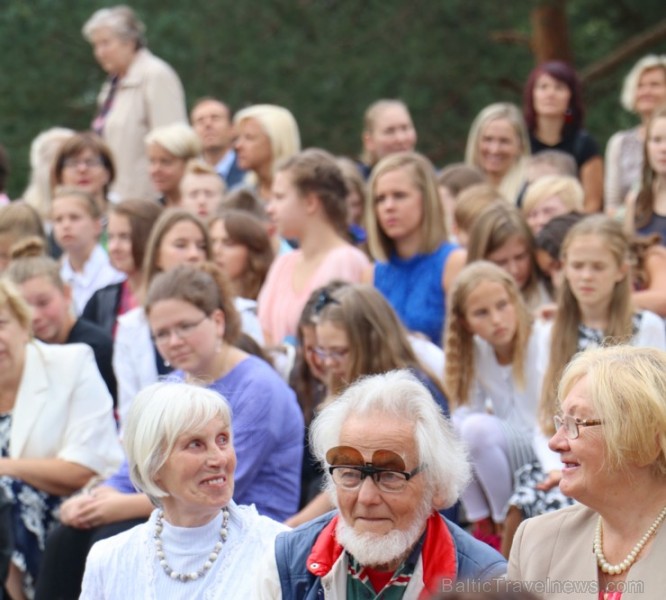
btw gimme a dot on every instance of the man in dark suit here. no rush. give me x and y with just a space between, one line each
211 119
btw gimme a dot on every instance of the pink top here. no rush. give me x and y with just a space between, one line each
280 306
610 595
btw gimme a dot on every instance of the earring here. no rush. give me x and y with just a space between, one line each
167 363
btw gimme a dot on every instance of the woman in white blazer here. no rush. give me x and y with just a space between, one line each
56 431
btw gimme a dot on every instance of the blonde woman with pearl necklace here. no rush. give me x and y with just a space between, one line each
611 437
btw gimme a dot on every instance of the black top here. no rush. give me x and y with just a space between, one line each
103 306
580 144
85 332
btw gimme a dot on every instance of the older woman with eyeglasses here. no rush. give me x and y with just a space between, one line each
198 542
611 437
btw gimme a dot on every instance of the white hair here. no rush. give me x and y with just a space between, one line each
374 549
121 20
630 85
178 139
158 416
400 394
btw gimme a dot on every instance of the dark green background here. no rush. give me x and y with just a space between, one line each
326 60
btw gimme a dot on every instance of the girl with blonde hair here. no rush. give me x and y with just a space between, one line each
416 263
494 366
595 305
498 145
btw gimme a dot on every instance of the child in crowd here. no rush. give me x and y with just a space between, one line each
469 204
77 225
38 278
595 305
242 249
549 197
501 235
495 358
416 264
201 189
451 181
309 206
17 221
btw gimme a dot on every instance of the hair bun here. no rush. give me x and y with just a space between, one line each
28 247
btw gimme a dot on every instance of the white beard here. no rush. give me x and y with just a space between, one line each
373 549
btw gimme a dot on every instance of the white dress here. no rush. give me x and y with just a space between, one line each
126 566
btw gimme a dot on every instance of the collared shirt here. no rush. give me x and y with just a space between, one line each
359 584
224 166
97 273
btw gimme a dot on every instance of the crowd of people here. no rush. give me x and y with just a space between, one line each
210 336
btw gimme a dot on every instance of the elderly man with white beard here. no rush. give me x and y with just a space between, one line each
391 461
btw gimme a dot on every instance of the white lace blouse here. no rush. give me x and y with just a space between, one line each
126 565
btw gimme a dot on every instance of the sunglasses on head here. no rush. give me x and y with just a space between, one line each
348 469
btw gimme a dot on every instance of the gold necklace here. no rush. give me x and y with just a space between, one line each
621 567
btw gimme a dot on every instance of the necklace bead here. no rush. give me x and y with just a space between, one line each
212 557
622 566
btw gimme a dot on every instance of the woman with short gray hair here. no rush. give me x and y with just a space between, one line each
179 445
142 92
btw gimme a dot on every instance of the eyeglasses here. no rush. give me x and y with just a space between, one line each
335 354
387 469
572 424
90 163
181 331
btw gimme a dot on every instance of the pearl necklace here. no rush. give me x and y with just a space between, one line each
212 557
621 567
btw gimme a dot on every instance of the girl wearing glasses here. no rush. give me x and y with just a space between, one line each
358 334
494 367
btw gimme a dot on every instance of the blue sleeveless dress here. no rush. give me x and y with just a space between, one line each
413 286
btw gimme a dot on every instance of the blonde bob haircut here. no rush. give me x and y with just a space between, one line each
627 388
12 300
630 85
433 221
401 395
460 369
278 124
514 178
567 189
178 139
159 415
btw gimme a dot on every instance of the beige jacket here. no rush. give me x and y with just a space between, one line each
150 95
553 555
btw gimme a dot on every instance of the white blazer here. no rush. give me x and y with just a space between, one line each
63 409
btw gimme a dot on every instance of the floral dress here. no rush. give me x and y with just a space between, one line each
34 515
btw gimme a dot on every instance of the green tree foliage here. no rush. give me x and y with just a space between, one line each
324 59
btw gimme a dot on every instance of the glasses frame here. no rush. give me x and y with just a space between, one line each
367 469
334 355
573 424
181 331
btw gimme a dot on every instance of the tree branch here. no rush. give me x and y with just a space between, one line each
634 45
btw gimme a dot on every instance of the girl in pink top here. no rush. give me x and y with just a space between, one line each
307 205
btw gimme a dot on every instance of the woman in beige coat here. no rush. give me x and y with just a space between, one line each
141 93
611 437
